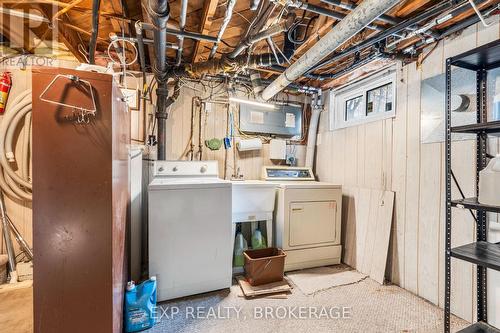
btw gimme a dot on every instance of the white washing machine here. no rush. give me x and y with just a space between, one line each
307 218
190 237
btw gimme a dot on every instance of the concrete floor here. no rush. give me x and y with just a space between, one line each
364 307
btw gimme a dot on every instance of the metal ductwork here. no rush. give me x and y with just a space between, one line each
359 18
275 58
270 32
256 81
226 64
159 12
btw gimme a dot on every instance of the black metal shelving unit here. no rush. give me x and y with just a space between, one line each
483 254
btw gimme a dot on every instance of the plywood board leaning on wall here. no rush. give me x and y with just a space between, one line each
368 225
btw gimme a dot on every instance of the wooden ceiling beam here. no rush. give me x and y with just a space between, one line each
209 8
117 7
70 38
313 38
147 34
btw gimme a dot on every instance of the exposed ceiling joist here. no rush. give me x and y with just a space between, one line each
117 6
313 38
148 34
209 8
70 38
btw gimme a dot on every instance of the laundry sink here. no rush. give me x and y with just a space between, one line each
253 200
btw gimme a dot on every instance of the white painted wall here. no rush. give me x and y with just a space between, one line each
388 155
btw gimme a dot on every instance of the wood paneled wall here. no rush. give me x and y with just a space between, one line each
214 125
389 155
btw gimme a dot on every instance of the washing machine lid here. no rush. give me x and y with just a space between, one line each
187 183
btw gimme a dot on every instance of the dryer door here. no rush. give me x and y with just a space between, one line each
312 223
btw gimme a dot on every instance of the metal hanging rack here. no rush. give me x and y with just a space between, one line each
81 114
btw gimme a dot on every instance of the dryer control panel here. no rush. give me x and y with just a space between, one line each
287 173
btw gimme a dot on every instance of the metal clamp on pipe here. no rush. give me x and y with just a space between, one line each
163 92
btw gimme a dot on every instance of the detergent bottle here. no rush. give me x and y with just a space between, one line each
258 241
240 245
140 305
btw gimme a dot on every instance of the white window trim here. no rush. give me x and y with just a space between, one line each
339 97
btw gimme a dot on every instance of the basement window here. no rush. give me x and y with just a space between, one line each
367 100
379 99
354 108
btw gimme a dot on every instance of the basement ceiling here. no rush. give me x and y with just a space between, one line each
206 17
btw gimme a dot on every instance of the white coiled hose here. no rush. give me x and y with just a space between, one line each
17 186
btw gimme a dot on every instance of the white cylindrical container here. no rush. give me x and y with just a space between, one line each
489 194
250 144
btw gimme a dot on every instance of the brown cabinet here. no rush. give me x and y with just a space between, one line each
80 191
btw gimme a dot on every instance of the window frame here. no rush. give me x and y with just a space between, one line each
351 99
339 97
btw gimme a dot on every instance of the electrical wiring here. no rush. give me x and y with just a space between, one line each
292 32
83 52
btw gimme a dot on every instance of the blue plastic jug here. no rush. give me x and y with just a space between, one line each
140 305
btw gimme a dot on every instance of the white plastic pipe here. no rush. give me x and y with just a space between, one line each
26 146
356 20
12 184
313 130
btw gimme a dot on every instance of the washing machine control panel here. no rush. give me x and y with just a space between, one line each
169 169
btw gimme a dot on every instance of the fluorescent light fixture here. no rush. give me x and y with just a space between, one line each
251 102
24 15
